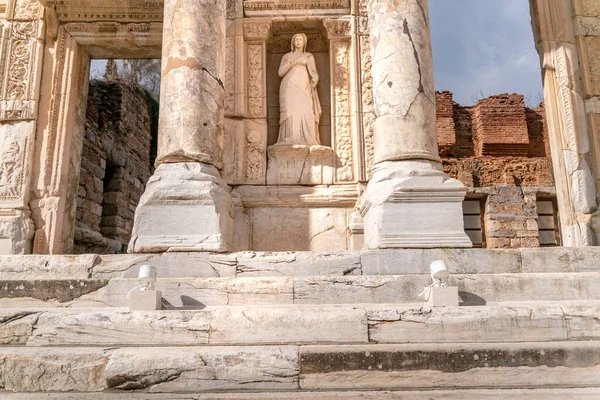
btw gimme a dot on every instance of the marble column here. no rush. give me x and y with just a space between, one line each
187 206
409 201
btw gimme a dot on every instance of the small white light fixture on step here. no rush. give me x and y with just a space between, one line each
145 296
438 294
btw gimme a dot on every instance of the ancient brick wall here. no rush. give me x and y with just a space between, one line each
116 163
499 149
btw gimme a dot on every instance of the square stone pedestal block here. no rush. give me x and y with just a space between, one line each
420 211
300 165
186 207
145 300
442 296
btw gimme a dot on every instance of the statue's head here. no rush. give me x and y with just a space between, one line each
299 41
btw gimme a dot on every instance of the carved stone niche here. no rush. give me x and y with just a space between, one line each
298 163
277 46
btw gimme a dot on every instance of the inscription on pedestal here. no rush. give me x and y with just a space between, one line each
299 165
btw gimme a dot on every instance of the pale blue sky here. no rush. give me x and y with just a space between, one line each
484 46
480 46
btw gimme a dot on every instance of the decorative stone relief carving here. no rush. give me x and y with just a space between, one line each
112 10
256 90
13 152
341 27
230 75
20 56
27 10
340 54
368 110
254 8
256 146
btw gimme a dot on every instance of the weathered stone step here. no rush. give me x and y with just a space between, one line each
473 394
247 264
197 293
287 368
302 324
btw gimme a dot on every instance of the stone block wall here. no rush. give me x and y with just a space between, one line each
500 150
118 154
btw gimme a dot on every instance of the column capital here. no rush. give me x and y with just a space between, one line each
258 29
337 28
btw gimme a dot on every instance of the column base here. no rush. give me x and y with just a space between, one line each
186 207
16 232
415 205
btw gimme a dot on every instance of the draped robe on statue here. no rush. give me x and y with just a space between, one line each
300 110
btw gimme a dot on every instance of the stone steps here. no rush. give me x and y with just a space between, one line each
265 264
197 293
302 324
472 394
523 365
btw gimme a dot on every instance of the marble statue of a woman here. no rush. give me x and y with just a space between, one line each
300 109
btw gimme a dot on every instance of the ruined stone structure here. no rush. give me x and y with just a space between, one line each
312 324
323 197
116 163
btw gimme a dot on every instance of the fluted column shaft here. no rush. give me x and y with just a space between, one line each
192 91
409 201
403 87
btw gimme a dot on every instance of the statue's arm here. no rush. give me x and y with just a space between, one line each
312 70
285 65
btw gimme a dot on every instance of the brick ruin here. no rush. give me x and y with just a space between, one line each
499 148
119 148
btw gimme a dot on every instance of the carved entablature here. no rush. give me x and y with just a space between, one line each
109 10
264 8
142 39
20 52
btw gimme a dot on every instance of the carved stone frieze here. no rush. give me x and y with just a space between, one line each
109 10
295 7
340 58
256 90
20 52
368 111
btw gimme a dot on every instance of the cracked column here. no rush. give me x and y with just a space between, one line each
186 205
409 201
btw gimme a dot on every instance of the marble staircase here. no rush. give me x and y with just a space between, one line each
303 326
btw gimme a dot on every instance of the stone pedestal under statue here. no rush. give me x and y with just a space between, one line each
300 165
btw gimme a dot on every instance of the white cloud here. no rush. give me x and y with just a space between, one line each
483 46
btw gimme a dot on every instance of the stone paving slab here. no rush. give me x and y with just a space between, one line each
265 264
509 365
302 324
493 394
290 368
198 293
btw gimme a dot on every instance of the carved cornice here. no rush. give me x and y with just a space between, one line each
108 10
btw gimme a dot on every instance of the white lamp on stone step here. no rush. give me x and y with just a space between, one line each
438 294
145 296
